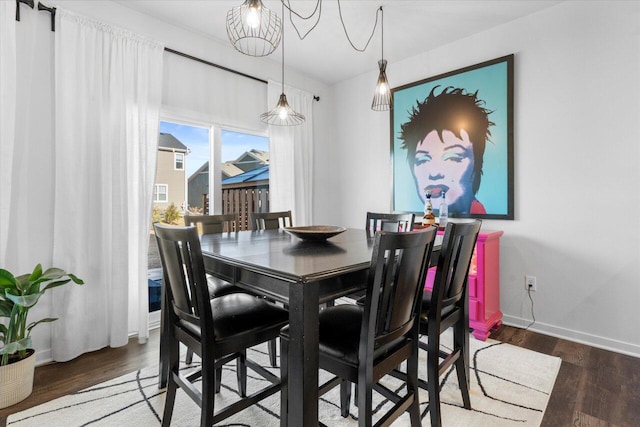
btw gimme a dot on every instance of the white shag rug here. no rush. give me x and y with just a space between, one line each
510 386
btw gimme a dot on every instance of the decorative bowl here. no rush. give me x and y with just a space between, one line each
315 232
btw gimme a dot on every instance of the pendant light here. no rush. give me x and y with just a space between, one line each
253 29
282 114
382 100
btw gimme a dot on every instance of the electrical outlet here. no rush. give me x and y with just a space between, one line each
530 283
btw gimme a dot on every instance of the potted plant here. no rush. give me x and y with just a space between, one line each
17 359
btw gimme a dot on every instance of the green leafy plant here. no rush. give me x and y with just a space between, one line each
17 296
156 215
172 214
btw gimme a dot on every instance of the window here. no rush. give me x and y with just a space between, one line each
179 161
161 193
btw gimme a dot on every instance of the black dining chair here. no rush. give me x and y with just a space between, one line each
363 343
389 221
205 224
270 220
213 224
447 306
218 330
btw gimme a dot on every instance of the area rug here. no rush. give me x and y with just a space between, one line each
510 386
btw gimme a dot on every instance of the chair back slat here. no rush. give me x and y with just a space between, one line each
389 221
213 224
458 244
271 220
396 278
183 271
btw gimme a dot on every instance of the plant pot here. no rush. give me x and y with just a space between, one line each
16 380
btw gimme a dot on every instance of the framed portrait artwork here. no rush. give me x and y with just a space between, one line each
452 135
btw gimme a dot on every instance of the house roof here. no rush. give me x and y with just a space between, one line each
202 169
254 155
168 142
229 169
257 174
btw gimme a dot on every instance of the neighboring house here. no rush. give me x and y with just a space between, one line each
258 177
198 186
170 184
229 169
249 161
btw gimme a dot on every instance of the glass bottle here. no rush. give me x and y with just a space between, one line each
429 218
443 211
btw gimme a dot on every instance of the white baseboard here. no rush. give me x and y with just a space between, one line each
605 343
43 357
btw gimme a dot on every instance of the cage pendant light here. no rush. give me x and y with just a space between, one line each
382 100
282 114
253 29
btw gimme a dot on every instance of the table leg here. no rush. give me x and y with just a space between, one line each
303 355
163 366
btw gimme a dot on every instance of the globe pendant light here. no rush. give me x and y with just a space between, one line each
282 114
253 29
382 100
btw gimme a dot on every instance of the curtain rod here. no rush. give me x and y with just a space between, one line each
195 58
52 11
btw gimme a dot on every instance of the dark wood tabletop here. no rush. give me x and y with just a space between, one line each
290 257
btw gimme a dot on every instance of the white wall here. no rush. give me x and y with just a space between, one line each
577 138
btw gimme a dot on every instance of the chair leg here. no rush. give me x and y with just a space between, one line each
164 368
345 398
172 360
461 341
209 385
412 388
284 382
241 373
189 358
218 379
273 353
365 405
433 378
170 399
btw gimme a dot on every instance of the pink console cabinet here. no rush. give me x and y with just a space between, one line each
484 285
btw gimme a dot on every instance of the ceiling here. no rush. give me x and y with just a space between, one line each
325 54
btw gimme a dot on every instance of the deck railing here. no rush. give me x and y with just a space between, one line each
242 199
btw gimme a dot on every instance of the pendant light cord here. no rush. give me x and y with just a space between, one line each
381 28
282 48
318 10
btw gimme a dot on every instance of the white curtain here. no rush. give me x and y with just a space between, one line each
7 116
108 84
291 158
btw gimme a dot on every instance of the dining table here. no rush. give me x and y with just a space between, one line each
301 274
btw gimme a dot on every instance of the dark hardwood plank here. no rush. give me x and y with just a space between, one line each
594 386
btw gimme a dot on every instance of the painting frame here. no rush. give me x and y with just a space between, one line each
492 83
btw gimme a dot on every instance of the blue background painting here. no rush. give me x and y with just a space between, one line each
491 84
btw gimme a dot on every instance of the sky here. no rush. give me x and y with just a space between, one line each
197 140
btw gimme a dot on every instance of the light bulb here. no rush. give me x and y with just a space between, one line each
383 89
253 16
282 113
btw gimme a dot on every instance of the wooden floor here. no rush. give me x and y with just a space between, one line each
594 387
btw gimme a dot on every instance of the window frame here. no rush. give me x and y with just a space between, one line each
156 193
175 161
